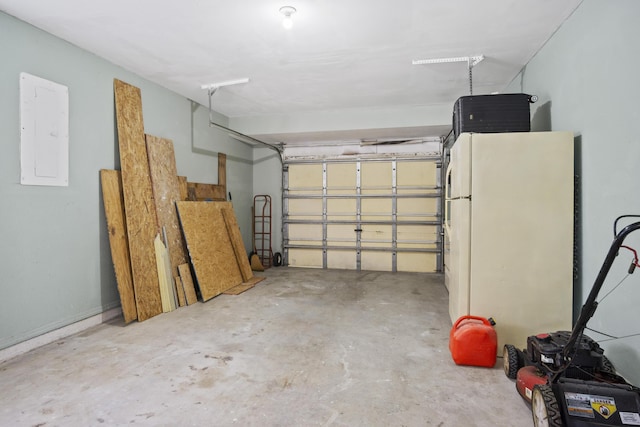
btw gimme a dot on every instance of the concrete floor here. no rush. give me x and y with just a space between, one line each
302 348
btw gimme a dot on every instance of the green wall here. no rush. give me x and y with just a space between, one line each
586 77
267 180
54 257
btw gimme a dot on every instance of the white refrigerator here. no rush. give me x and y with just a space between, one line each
509 215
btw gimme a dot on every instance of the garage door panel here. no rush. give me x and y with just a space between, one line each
376 177
417 236
417 207
374 235
343 260
376 261
417 262
305 177
310 209
305 232
377 209
308 258
341 209
341 235
341 178
416 173
385 199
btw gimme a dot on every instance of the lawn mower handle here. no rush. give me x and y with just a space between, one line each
590 304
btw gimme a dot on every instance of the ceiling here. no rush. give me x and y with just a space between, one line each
339 55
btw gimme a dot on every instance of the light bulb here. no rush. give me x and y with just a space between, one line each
287 11
287 22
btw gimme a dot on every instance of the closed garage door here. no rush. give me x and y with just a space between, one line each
378 214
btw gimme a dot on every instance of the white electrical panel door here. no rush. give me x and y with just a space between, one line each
44 132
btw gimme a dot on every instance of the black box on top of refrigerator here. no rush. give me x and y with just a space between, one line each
508 112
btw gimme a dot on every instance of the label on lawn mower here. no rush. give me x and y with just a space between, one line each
579 405
605 406
584 405
630 418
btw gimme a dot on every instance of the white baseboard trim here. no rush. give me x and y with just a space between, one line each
49 337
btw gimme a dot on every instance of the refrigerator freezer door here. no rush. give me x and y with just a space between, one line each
459 177
522 232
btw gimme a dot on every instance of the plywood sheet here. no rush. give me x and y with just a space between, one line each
184 192
182 301
209 245
236 241
222 173
237 290
117 228
142 224
166 192
187 284
206 192
161 264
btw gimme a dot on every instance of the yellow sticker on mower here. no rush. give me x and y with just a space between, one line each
605 406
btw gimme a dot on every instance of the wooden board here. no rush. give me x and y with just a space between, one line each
196 191
222 173
187 283
161 265
171 285
166 192
117 229
182 301
184 192
206 192
237 290
191 193
142 224
209 246
236 241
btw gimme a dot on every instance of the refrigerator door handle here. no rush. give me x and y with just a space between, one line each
446 218
447 182
447 199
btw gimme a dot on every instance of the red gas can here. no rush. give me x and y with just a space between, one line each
473 341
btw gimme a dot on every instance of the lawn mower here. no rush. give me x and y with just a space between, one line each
566 376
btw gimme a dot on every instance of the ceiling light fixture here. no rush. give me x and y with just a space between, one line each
287 11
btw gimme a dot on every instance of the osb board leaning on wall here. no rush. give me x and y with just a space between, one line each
166 192
117 229
142 224
210 247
